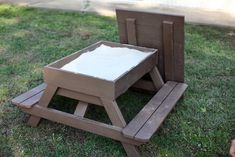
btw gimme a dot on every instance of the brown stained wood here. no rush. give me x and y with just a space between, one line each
128 79
131 151
131 31
168 49
28 94
114 112
140 119
79 96
92 126
44 101
79 83
161 113
149 33
31 101
156 78
145 85
117 119
94 86
33 121
81 109
48 94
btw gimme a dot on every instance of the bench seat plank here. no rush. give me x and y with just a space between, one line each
31 101
148 120
27 95
151 126
140 119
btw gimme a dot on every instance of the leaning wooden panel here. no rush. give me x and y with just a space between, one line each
149 33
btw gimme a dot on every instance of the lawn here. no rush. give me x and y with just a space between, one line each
201 125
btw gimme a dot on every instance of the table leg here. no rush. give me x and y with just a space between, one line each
81 109
49 92
156 78
117 119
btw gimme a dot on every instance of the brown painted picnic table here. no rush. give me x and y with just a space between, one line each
161 73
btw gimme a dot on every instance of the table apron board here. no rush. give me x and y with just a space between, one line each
95 86
86 124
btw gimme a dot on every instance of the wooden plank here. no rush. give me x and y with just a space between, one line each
168 48
161 113
31 101
117 119
28 94
81 109
33 121
156 78
129 78
80 123
113 112
140 119
131 31
79 83
145 85
79 96
149 33
44 101
131 151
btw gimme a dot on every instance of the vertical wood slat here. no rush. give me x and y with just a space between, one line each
156 78
168 48
81 109
131 31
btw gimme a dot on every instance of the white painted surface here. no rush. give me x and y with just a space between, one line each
106 62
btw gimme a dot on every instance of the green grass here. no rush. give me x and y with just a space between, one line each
202 124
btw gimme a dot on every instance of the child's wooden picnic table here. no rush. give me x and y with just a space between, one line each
160 39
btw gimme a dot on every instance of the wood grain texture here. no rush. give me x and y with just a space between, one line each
131 31
168 48
28 103
156 78
80 123
81 109
149 33
140 119
145 85
129 78
117 119
28 94
156 119
91 85
79 96
114 112
44 101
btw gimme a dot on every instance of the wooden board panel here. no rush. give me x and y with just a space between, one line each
168 43
145 85
149 33
87 84
161 113
140 119
81 109
127 80
80 123
156 78
131 31
28 94
79 96
79 83
31 101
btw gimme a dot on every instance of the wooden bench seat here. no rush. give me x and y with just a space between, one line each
29 98
149 119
